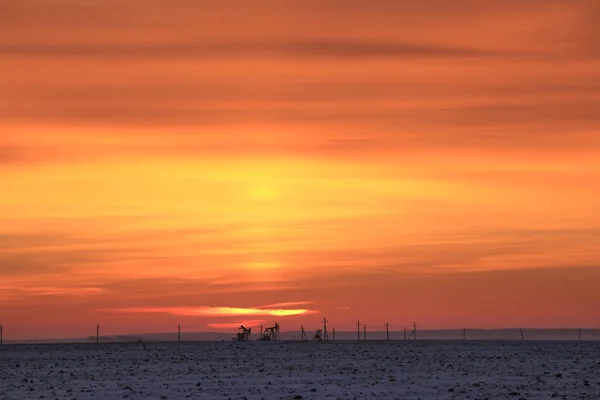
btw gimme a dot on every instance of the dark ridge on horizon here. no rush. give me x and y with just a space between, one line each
501 334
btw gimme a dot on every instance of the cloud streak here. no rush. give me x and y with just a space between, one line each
217 311
62 291
299 49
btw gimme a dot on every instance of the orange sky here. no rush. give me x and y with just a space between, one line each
216 162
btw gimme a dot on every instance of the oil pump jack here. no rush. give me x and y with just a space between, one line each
244 333
270 334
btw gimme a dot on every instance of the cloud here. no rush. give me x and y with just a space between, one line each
30 263
10 154
26 294
60 260
335 49
216 311
352 72
63 291
287 304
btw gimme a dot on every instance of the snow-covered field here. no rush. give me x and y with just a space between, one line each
287 370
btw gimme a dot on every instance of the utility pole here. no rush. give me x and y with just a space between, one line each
325 336
1 333
358 329
178 335
415 330
404 333
579 334
304 338
365 332
334 334
522 336
97 333
387 330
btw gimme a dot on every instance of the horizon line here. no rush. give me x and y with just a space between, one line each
123 337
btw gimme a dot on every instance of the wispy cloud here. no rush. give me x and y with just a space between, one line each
62 291
11 292
303 49
217 311
286 304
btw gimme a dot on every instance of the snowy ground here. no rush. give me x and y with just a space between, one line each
285 370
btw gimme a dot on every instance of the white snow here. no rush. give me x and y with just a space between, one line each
287 370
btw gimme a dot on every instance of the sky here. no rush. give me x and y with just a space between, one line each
216 163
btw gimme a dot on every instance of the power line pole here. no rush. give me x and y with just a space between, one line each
365 332
358 329
404 333
178 335
522 336
325 336
97 333
304 338
387 330
415 330
334 334
579 334
1 335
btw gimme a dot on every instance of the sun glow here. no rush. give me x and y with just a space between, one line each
263 192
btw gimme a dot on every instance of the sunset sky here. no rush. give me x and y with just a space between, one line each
216 162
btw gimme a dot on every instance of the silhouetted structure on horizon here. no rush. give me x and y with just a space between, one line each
318 336
325 335
270 334
244 333
413 334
